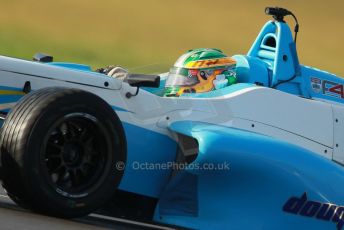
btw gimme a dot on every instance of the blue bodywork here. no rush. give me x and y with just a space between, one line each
251 193
147 182
275 63
263 174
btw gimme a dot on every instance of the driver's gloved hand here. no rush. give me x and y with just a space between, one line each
117 72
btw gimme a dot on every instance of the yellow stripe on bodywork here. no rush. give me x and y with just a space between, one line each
11 92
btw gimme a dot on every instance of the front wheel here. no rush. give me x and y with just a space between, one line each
59 148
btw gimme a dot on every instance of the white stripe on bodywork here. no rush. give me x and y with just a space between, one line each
7 105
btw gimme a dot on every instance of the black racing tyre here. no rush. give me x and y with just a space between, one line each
59 148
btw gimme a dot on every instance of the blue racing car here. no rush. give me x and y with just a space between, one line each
250 141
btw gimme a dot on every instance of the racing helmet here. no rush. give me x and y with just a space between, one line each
199 71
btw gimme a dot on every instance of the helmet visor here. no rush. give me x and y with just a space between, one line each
180 77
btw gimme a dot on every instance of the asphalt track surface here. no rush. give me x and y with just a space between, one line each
13 217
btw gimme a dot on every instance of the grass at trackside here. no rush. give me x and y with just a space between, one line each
151 34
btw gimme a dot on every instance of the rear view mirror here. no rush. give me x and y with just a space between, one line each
142 80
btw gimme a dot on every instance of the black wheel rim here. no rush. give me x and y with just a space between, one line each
75 154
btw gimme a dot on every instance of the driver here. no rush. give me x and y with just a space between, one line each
199 71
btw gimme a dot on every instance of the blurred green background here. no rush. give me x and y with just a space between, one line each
148 36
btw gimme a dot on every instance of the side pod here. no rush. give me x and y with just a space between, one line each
263 175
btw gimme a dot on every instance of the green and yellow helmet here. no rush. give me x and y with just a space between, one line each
199 71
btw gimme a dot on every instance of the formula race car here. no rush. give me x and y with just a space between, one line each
250 141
